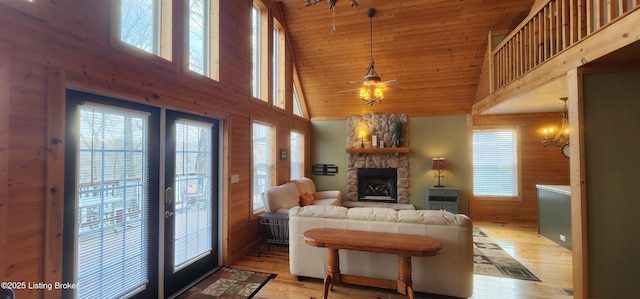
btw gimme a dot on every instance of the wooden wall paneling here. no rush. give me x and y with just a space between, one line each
54 189
26 176
241 228
227 171
72 17
485 87
5 106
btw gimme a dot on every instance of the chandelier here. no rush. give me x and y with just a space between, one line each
371 93
560 137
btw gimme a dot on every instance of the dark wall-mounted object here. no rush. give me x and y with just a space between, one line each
324 169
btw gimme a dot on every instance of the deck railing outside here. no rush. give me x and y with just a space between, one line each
555 27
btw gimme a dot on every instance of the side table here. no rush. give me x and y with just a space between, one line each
274 229
442 199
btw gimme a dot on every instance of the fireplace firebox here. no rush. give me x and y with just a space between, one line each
378 184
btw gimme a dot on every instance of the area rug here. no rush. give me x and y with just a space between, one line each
490 259
228 283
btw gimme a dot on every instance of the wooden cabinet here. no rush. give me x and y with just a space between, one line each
442 199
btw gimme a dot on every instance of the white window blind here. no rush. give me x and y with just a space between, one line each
495 162
193 197
112 203
297 158
262 163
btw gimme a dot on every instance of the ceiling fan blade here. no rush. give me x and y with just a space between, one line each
312 2
349 90
389 83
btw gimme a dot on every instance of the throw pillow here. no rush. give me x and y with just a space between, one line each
306 199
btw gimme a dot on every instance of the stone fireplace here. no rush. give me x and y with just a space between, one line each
380 125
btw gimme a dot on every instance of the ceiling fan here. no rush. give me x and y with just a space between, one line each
373 86
331 3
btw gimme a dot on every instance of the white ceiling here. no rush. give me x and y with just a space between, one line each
545 98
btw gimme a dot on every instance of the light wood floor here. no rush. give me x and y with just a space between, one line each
547 260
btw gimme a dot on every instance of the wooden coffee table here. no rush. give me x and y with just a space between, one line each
405 246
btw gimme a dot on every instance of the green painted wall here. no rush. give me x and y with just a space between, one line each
612 161
429 137
328 144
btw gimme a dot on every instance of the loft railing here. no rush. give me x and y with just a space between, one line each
555 27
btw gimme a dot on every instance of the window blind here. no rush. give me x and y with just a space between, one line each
112 202
262 163
495 162
193 197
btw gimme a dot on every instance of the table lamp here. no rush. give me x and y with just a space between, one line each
439 165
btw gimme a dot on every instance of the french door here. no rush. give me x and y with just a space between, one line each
190 211
128 168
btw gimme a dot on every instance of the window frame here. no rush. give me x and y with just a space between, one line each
278 65
211 38
298 96
260 58
162 31
271 165
518 161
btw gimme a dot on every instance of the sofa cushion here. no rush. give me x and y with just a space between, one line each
373 214
327 202
283 196
305 185
319 211
433 217
306 199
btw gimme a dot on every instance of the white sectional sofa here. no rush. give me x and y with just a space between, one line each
448 273
281 198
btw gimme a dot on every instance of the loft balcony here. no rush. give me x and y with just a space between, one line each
556 37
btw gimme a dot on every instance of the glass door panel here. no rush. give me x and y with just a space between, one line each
107 192
190 229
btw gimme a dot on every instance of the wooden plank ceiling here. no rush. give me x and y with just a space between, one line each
435 48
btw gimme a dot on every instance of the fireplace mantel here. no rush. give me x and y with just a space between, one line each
378 150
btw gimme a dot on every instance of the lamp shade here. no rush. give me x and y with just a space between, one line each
439 164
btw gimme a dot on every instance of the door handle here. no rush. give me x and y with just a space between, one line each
168 214
168 196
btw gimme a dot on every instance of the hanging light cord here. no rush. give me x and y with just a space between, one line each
371 13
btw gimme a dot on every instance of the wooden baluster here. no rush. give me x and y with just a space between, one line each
587 11
566 29
558 25
613 10
551 29
622 7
